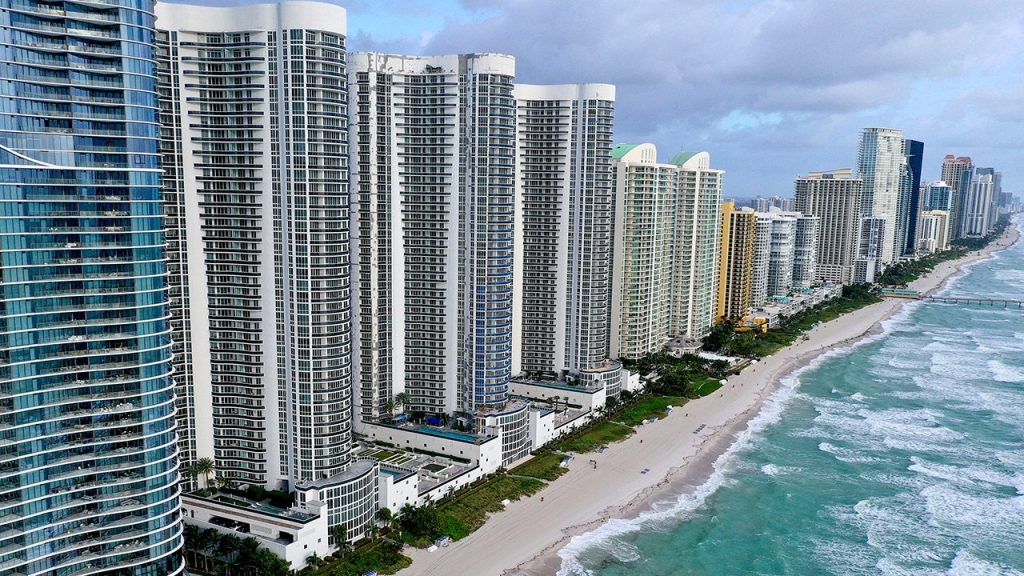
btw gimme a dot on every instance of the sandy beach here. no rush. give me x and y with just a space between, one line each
680 451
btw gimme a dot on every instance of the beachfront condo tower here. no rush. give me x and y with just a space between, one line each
563 240
433 160
253 104
957 172
933 232
735 262
805 250
833 197
781 253
762 258
882 165
785 254
695 257
666 242
88 455
979 206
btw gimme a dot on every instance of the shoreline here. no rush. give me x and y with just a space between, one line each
681 451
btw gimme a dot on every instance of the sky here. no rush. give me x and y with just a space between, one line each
771 88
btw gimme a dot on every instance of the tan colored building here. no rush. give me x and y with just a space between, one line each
834 197
933 231
735 262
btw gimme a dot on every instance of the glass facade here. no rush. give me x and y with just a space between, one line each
487 163
88 460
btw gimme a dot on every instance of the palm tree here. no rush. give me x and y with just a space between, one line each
340 534
227 548
192 473
555 400
403 399
208 541
191 541
248 551
386 517
205 467
389 407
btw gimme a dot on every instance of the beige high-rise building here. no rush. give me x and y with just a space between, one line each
736 261
835 198
666 239
933 231
957 172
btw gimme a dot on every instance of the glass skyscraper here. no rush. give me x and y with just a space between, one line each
88 459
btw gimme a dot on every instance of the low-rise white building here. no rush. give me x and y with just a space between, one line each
511 423
398 487
583 397
293 534
483 450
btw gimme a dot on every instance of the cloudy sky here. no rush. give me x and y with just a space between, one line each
771 88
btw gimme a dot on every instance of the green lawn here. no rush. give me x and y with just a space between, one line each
708 386
649 407
545 466
381 556
594 436
466 512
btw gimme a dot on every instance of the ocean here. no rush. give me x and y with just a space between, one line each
900 455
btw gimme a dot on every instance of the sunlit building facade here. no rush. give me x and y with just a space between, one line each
254 117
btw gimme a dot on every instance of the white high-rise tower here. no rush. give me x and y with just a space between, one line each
882 165
433 167
564 202
255 143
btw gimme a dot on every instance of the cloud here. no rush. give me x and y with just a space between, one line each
698 71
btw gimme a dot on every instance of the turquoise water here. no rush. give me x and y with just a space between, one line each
902 455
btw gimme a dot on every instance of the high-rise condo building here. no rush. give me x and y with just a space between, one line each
666 243
88 450
937 196
781 253
934 231
695 264
996 192
563 243
255 142
736 260
805 250
762 259
646 193
835 198
870 243
957 172
882 165
910 196
978 208
785 254
433 168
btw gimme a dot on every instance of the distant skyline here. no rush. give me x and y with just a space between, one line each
771 88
